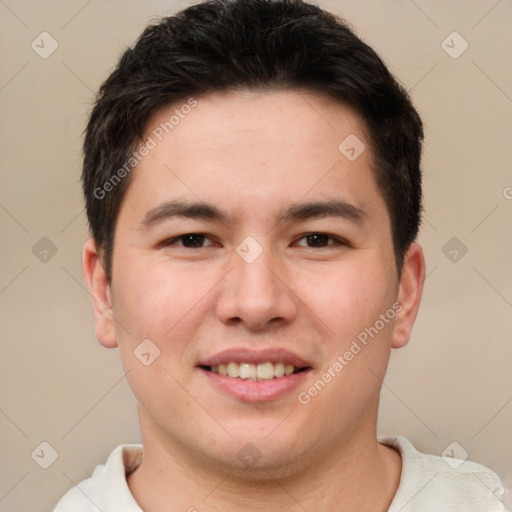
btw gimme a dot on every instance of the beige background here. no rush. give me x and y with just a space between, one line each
453 382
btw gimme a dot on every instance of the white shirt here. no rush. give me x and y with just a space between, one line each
427 484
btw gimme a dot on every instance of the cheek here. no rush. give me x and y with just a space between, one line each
162 303
349 298
145 300
357 354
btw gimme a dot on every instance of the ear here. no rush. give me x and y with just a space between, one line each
99 289
409 295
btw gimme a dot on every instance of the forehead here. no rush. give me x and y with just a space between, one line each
259 121
250 147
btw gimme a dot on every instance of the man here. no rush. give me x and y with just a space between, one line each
253 187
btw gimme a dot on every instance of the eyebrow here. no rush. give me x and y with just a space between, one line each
319 209
295 212
170 209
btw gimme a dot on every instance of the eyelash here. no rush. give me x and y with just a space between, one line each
173 241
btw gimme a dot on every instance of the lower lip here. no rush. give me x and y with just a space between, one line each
257 390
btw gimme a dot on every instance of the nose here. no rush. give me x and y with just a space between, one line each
257 294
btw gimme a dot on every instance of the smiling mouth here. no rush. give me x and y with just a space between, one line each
255 372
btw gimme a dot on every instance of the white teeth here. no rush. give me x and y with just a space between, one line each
265 371
248 371
233 369
279 369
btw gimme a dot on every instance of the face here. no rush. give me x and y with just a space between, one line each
249 244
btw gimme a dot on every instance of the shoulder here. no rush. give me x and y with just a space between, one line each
431 483
106 489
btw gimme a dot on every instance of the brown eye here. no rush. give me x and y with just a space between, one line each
317 240
189 241
192 241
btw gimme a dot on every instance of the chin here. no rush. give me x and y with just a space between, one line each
258 458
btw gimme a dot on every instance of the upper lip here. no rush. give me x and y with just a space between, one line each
243 355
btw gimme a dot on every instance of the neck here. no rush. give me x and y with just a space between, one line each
356 474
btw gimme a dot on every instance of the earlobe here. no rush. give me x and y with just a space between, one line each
409 295
99 290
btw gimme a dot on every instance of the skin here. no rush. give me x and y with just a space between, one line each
253 154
